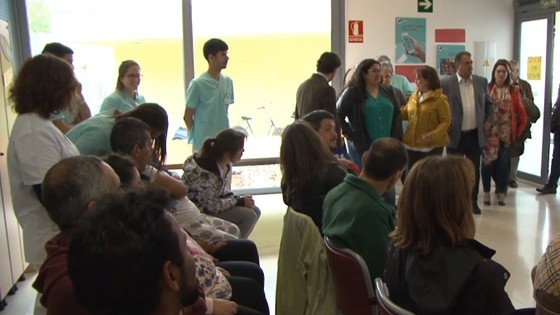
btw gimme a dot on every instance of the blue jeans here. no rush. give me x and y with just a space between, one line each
501 168
355 154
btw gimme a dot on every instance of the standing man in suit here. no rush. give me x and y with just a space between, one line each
316 92
470 107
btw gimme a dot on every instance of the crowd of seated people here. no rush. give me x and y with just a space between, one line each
181 242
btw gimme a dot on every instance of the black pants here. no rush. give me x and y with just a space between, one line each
469 147
247 284
238 250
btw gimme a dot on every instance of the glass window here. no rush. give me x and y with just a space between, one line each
273 47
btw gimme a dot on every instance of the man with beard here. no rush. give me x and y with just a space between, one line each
325 124
128 256
209 96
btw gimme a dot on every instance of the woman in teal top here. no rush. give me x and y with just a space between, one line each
126 96
371 108
93 136
372 111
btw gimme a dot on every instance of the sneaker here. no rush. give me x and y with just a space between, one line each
547 190
513 184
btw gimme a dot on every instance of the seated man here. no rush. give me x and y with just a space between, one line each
129 257
355 216
545 279
325 124
85 178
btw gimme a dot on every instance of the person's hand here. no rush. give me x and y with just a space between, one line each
427 137
418 51
249 202
211 248
224 307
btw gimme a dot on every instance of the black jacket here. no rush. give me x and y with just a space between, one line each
351 105
449 280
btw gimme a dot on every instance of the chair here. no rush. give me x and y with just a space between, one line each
352 282
384 304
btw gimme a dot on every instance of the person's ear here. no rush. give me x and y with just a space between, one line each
171 276
90 205
364 158
394 178
135 151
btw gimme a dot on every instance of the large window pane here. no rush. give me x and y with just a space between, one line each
273 47
103 33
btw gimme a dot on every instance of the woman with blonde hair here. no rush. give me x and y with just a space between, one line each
434 265
309 170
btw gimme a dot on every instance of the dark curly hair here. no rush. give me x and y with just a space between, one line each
44 85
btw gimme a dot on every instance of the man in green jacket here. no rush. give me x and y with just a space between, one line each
354 214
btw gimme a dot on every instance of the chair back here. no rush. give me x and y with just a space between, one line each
384 304
352 282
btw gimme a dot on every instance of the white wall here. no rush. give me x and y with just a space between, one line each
483 20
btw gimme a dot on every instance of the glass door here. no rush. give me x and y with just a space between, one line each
535 56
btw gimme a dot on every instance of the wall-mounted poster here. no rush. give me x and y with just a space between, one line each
410 40
445 58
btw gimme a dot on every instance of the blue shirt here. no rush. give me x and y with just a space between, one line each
121 102
401 82
93 136
210 98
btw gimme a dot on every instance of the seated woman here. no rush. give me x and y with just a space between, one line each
309 170
434 266
126 97
240 281
206 173
200 226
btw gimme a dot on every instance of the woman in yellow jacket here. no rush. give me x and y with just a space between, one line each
428 115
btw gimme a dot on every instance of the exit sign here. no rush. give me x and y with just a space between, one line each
425 6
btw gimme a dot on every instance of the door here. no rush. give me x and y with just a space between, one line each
535 51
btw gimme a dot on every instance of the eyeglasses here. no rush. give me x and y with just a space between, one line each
132 75
374 70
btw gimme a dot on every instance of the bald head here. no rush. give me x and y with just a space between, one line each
72 184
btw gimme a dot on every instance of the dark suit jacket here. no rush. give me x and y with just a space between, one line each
482 102
316 93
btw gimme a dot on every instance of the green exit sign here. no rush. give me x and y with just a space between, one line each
425 6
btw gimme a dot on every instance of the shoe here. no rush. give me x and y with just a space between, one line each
486 199
476 209
501 199
547 190
513 184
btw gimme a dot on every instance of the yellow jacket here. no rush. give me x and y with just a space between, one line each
431 116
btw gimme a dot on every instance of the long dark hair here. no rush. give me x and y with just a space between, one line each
227 142
507 83
357 81
302 155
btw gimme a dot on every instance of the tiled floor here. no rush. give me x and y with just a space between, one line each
519 232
